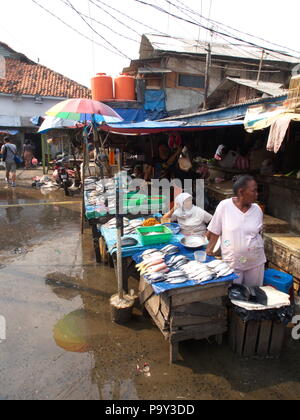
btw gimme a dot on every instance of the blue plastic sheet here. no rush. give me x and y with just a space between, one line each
110 237
160 288
155 100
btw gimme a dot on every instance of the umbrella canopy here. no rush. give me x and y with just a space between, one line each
84 110
52 123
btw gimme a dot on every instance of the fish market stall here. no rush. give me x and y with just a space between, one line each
185 298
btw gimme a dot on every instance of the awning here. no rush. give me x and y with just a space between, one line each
154 127
259 118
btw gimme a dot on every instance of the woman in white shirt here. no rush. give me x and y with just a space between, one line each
239 223
192 220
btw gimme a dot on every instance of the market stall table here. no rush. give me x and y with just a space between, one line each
184 313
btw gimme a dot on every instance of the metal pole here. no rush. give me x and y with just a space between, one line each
260 66
119 232
208 60
44 154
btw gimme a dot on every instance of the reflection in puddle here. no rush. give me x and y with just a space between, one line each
74 332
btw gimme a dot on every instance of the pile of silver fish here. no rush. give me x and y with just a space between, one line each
157 267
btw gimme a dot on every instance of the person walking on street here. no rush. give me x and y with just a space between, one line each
9 152
28 154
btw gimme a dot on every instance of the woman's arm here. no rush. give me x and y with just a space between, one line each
169 215
212 244
175 156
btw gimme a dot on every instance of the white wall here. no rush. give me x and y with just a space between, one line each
26 107
179 99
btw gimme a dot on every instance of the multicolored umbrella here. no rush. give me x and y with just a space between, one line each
84 110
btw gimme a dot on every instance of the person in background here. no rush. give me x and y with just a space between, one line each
239 223
8 152
192 220
28 150
163 166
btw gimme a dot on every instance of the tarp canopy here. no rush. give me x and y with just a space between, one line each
154 127
259 118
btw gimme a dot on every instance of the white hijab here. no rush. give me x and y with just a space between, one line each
180 211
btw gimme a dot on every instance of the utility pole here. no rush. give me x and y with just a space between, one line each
260 66
208 62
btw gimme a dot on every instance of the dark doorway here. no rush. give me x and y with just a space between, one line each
37 143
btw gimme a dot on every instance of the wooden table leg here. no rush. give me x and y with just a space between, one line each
96 243
174 352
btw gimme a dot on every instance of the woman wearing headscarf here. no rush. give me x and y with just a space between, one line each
28 150
192 219
239 223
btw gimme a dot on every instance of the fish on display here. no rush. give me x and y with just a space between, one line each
180 264
155 278
221 267
153 256
178 280
177 259
201 275
170 250
225 273
213 264
148 252
174 274
204 279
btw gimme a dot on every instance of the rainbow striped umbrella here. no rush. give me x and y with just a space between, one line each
85 111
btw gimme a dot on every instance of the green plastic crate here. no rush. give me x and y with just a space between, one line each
165 236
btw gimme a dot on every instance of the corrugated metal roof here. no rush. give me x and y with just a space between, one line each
153 70
272 89
185 46
230 112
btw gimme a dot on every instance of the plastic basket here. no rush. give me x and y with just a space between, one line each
165 235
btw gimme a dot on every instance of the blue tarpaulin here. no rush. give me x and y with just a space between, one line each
155 100
149 127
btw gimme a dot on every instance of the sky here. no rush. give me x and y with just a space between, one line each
30 30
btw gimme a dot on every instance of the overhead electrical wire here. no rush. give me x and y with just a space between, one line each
187 8
108 27
74 29
162 10
68 2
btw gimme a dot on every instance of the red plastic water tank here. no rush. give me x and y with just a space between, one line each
102 87
125 88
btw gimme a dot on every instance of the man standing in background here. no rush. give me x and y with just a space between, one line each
9 152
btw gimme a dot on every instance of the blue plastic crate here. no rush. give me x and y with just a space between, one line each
281 281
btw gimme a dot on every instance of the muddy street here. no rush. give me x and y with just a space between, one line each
61 343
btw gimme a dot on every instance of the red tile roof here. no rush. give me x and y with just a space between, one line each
28 78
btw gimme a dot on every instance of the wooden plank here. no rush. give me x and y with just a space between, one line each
182 320
232 330
264 338
277 339
199 332
165 307
251 338
200 295
174 352
212 308
146 294
159 322
154 303
193 289
240 335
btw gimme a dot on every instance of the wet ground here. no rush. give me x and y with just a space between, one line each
61 343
